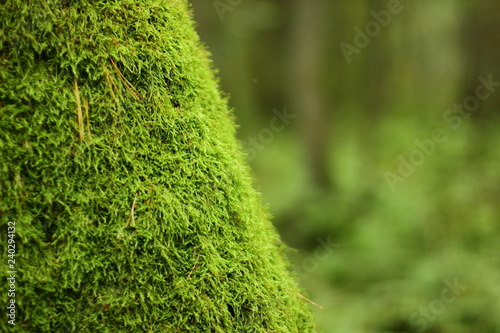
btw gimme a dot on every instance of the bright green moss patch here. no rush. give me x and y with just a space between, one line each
133 205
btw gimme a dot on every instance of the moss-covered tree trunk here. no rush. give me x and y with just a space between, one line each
132 204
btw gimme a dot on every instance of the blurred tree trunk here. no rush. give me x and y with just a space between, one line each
481 43
306 43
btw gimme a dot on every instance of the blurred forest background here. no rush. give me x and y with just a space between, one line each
372 131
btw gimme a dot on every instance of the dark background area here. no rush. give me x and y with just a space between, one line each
372 131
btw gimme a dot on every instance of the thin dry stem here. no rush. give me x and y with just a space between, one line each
86 107
304 298
127 83
81 133
111 84
195 266
131 218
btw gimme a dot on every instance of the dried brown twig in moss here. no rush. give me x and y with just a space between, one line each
127 83
304 298
81 133
131 218
195 266
111 84
86 107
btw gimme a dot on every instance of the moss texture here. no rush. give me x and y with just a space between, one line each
133 204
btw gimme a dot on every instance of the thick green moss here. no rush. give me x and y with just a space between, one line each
119 164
